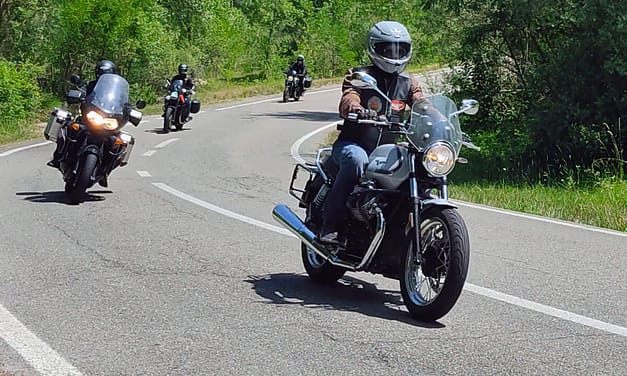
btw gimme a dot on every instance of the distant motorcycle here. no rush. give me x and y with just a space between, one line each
92 142
295 85
175 108
399 221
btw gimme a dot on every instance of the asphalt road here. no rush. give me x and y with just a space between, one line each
178 268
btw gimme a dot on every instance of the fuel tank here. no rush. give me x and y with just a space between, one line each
389 165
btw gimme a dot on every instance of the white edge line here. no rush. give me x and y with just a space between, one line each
9 152
35 351
166 143
144 174
296 146
510 299
538 218
270 100
222 211
149 153
547 310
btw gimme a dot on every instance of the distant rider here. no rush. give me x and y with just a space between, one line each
188 84
300 70
389 48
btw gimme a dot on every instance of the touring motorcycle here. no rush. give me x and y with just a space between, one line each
175 109
399 222
295 85
92 143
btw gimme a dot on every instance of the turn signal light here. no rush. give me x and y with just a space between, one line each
75 127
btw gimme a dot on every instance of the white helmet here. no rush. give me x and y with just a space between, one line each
389 46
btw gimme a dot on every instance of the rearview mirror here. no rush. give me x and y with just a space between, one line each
470 106
363 80
141 104
75 96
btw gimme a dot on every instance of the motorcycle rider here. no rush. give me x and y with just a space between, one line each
389 48
102 67
301 70
188 84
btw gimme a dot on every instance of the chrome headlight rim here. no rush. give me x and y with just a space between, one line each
432 156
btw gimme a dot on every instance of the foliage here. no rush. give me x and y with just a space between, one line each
21 98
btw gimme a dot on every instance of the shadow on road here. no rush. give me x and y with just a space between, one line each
60 197
301 115
349 294
160 130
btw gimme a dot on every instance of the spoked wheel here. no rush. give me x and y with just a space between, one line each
167 119
430 290
83 178
318 269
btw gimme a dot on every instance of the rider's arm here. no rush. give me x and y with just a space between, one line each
351 98
415 92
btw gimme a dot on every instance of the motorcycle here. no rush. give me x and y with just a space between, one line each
175 109
92 143
295 85
399 222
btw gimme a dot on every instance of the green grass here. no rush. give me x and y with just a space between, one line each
602 205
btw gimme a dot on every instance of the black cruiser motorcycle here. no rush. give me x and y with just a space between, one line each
92 144
399 221
175 110
295 85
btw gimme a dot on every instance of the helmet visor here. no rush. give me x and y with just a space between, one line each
392 50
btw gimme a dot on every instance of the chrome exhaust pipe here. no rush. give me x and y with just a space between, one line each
285 216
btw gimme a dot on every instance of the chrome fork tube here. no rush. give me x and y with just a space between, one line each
415 206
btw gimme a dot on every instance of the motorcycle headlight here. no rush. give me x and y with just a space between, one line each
290 78
97 120
439 159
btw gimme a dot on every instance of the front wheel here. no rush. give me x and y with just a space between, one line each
167 119
286 94
83 178
318 269
431 290
182 117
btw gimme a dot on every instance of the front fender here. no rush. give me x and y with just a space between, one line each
433 202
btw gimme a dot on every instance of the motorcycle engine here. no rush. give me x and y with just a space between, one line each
363 200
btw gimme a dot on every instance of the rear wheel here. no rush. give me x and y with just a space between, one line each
167 119
83 178
431 290
318 269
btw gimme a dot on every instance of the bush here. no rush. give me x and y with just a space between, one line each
21 98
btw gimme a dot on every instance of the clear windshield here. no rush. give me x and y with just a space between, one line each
110 95
430 123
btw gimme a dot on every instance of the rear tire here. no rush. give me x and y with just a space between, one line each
167 119
431 290
318 269
83 178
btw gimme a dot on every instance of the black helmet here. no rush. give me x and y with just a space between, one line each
300 59
183 69
105 66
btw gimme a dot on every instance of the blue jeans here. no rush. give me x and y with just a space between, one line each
352 160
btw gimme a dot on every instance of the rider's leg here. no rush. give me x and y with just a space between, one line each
352 160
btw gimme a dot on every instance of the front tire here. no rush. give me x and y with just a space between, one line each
318 269
181 118
167 119
286 95
83 178
431 290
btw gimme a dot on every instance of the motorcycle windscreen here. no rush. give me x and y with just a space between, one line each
110 96
430 123
176 85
